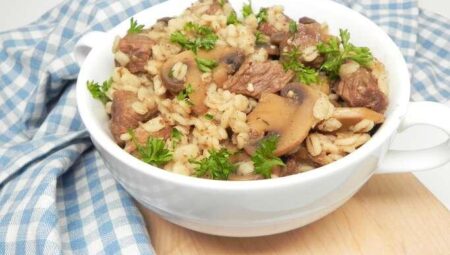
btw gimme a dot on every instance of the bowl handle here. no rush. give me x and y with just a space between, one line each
420 113
86 43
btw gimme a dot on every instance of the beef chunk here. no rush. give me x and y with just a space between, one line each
142 136
360 89
123 117
139 50
253 78
309 34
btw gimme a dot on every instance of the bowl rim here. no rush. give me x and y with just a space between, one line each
388 128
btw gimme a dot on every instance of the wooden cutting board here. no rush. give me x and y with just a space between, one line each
391 214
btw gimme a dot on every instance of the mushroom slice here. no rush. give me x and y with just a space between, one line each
349 116
192 77
229 60
290 117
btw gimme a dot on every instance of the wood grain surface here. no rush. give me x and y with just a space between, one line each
391 214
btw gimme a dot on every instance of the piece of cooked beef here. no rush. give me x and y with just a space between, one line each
360 89
139 50
308 35
141 135
253 78
123 117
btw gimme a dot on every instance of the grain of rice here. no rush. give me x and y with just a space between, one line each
179 71
330 125
323 109
125 137
153 125
121 58
139 108
363 126
245 168
313 145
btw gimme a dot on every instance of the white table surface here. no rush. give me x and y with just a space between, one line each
21 12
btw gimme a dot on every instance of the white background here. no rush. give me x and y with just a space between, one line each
18 13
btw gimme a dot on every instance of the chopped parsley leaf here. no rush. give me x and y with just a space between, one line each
217 166
260 38
184 94
176 137
204 37
264 159
134 27
209 116
99 91
261 17
304 74
338 50
205 65
292 26
247 9
232 18
153 152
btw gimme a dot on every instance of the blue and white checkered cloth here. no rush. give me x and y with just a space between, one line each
56 196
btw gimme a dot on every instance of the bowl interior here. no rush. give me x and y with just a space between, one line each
99 64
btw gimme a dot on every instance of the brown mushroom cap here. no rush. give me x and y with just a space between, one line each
350 116
193 77
291 117
229 60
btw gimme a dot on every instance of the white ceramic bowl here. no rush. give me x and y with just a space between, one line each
254 208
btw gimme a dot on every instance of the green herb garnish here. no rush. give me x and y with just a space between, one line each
232 18
260 38
304 74
222 3
209 116
204 37
184 94
247 9
261 17
154 152
217 166
99 91
292 26
134 27
205 65
264 159
176 137
338 50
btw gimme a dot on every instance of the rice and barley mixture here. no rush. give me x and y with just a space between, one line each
217 95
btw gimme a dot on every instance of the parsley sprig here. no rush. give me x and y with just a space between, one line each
338 50
232 18
205 65
176 135
209 116
99 91
293 27
217 166
247 9
134 27
264 159
204 37
184 94
306 75
261 17
260 38
154 152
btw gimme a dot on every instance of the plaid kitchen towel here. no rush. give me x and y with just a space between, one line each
56 196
